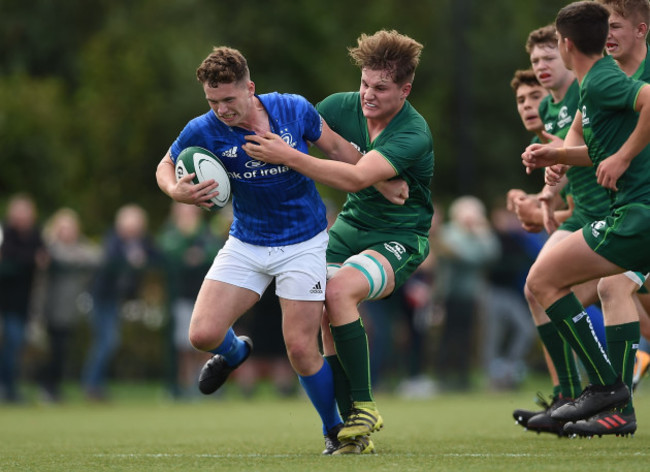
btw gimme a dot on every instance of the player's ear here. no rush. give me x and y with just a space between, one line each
641 30
406 89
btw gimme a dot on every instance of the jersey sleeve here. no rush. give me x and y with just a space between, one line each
405 148
313 125
614 92
330 109
190 136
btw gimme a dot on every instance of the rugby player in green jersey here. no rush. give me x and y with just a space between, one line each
613 126
622 305
374 245
528 95
590 202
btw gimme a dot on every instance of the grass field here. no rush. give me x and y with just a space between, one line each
140 430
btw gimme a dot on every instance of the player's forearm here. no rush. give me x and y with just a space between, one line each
336 147
573 156
165 176
340 175
562 215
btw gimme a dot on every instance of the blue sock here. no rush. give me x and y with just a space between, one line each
320 390
232 349
596 317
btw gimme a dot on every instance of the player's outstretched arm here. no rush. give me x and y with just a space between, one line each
336 147
370 169
537 156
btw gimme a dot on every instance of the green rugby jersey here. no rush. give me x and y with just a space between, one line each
591 200
406 143
643 72
557 117
607 101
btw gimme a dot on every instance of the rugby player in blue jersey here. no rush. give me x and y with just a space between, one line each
278 230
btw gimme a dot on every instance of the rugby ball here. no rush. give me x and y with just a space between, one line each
206 166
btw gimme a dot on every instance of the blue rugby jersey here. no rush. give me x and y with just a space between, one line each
272 204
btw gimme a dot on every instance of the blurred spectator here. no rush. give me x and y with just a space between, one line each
22 252
416 298
188 248
128 252
380 318
73 260
398 326
508 330
468 244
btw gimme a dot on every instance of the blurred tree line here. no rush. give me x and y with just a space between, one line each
93 93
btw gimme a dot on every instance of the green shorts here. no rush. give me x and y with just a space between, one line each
623 237
578 220
404 250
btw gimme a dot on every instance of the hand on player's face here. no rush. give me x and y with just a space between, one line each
268 147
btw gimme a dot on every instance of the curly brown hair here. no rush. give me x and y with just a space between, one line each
544 36
390 51
224 65
524 77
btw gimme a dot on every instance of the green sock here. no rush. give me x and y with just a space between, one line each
351 345
563 360
341 386
622 344
574 325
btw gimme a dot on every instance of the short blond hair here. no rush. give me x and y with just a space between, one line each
636 11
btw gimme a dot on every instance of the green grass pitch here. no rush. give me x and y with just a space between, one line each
142 431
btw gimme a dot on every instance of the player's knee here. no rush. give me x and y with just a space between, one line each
337 290
605 290
535 284
203 340
375 279
530 298
197 340
610 288
303 354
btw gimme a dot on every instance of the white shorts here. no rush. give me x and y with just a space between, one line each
299 269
